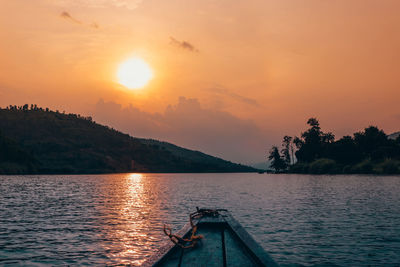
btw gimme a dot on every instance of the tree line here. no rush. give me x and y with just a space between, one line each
34 107
315 151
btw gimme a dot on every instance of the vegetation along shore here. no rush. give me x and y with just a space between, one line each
370 151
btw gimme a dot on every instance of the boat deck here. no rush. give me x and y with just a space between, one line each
225 243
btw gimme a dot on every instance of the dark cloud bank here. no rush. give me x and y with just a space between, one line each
189 125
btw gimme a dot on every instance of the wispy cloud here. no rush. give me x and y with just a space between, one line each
66 15
95 25
183 44
218 89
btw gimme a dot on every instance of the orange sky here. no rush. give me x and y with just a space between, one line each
248 73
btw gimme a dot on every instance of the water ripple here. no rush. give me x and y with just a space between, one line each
117 219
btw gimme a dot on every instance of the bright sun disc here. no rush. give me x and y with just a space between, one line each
134 73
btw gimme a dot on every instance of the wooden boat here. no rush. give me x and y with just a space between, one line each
212 238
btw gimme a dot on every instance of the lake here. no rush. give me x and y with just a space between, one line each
118 219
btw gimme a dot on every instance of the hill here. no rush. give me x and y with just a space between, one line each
264 165
44 141
13 158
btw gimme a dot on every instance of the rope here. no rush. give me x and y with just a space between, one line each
177 240
182 242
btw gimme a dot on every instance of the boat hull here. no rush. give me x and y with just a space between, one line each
225 243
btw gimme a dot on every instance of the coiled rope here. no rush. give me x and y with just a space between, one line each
192 241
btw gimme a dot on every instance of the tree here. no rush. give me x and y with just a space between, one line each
313 142
368 151
277 162
344 151
373 143
287 149
328 138
314 123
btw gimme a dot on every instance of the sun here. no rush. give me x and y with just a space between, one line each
134 73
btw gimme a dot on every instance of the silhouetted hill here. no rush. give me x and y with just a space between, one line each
13 158
44 141
261 165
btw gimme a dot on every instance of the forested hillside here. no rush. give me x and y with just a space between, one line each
36 140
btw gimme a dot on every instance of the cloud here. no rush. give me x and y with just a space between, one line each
67 16
190 125
218 89
94 25
183 44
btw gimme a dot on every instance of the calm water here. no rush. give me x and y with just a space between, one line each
118 219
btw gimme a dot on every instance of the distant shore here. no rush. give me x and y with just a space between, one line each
370 151
329 166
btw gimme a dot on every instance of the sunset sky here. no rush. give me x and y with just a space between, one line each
229 77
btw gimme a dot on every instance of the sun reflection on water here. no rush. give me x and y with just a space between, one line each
129 225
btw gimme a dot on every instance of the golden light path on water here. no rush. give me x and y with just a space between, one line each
133 201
